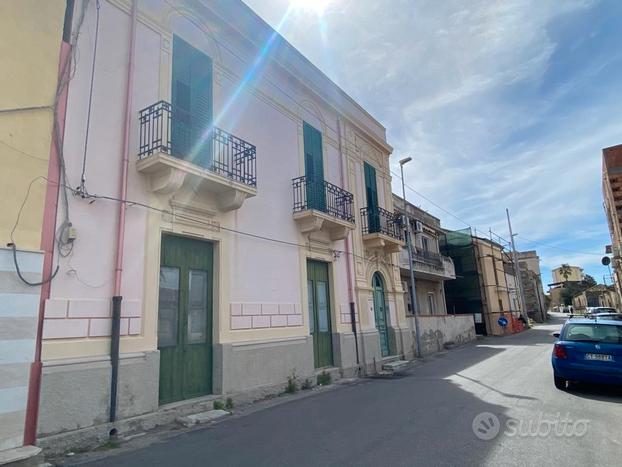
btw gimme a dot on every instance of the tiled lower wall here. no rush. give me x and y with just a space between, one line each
75 318
19 308
265 315
275 315
344 314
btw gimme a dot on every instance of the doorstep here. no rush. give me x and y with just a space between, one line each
24 456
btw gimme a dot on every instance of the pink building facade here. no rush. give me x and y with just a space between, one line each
258 219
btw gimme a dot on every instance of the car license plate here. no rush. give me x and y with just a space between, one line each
598 356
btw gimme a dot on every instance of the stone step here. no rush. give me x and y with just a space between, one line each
390 359
25 456
395 366
202 417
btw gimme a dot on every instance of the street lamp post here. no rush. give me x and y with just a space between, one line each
413 296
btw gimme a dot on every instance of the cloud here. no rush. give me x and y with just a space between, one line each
500 103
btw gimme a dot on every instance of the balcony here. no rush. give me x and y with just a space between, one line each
322 206
381 230
429 265
221 165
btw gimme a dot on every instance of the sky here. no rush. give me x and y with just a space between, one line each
501 104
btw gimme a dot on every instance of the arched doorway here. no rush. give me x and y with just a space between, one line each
380 313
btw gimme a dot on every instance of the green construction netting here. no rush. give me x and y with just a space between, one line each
462 294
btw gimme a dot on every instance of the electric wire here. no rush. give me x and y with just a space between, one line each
26 109
65 76
14 247
548 245
91 87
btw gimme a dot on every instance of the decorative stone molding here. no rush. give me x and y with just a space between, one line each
379 242
315 221
168 175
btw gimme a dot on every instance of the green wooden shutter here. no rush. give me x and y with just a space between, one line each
371 191
314 168
192 104
181 138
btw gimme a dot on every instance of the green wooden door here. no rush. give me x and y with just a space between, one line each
371 191
314 168
319 313
380 314
185 318
192 104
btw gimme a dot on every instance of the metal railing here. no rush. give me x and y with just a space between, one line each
443 267
426 256
323 196
378 220
171 131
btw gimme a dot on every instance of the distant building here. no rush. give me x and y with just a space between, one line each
612 201
562 275
571 274
599 295
533 290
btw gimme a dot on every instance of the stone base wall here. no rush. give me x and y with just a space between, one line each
436 331
76 393
247 366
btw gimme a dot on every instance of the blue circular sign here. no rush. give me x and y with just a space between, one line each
502 321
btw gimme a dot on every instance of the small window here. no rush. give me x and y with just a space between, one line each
425 242
168 307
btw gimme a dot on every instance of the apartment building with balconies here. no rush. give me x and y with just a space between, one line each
232 223
435 325
431 268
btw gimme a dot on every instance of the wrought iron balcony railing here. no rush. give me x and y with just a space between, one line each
378 220
425 256
322 196
171 131
444 267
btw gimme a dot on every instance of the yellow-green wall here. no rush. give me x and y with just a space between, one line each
30 39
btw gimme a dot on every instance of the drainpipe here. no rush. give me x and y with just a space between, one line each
350 260
118 270
47 246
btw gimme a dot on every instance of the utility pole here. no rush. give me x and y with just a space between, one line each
519 278
413 297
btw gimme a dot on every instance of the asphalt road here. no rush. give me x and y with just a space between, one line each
424 418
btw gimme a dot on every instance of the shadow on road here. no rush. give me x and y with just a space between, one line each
504 394
406 421
424 418
599 392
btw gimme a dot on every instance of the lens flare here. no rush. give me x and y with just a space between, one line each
316 6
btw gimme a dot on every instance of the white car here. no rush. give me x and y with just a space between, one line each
594 310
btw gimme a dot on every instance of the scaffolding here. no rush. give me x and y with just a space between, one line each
464 294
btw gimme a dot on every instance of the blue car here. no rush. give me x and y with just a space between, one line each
588 350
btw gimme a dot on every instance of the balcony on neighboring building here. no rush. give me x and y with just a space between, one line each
429 265
322 206
381 230
174 152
